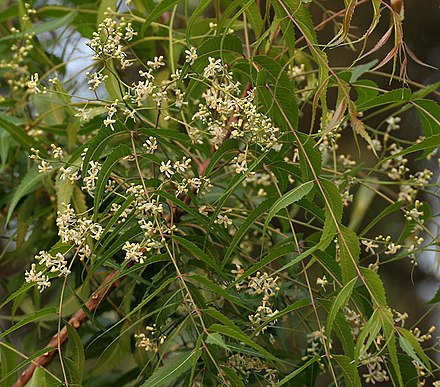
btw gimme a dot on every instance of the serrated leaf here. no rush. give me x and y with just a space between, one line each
45 26
29 183
197 252
158 11
375 286
412 347
216 339
112 159
38 378
255 20
287 199
394 96
340 301
77 350
173 369
333 212
238 335
281 89
349 370
29 319
370 331
349 251
250 220
218 290
358 71
297 371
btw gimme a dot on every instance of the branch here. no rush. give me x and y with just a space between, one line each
75 321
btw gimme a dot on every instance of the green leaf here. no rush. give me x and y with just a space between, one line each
158 11
238 335
333 212
287 28
281 89
98 144
349 370
27 320
387 323
349 251
249 222
118 153
19 135
255 20
340 301
218 290
358 71
197 252
173 369
409 371
194 16
44 26
29 183
38 379
216 339
375 286
288 309
78 357
428 143
287 199
13 372
5 144
429 114
412 347
8 365
394 96
297 371
64 191
387 211
310 157
370 331
366 90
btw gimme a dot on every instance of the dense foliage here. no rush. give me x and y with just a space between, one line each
191 194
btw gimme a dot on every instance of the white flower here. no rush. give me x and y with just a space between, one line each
191 55
133 251
370 246
150 145
223 220
44 167
32 84
166 169
156 63
214 66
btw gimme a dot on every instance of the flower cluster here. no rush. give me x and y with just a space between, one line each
74 230
53 264
107 41
247 364
150 339
260 284
225 113
375 371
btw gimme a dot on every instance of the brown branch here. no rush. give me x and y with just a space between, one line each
110 283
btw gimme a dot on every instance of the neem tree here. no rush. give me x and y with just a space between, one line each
193 218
